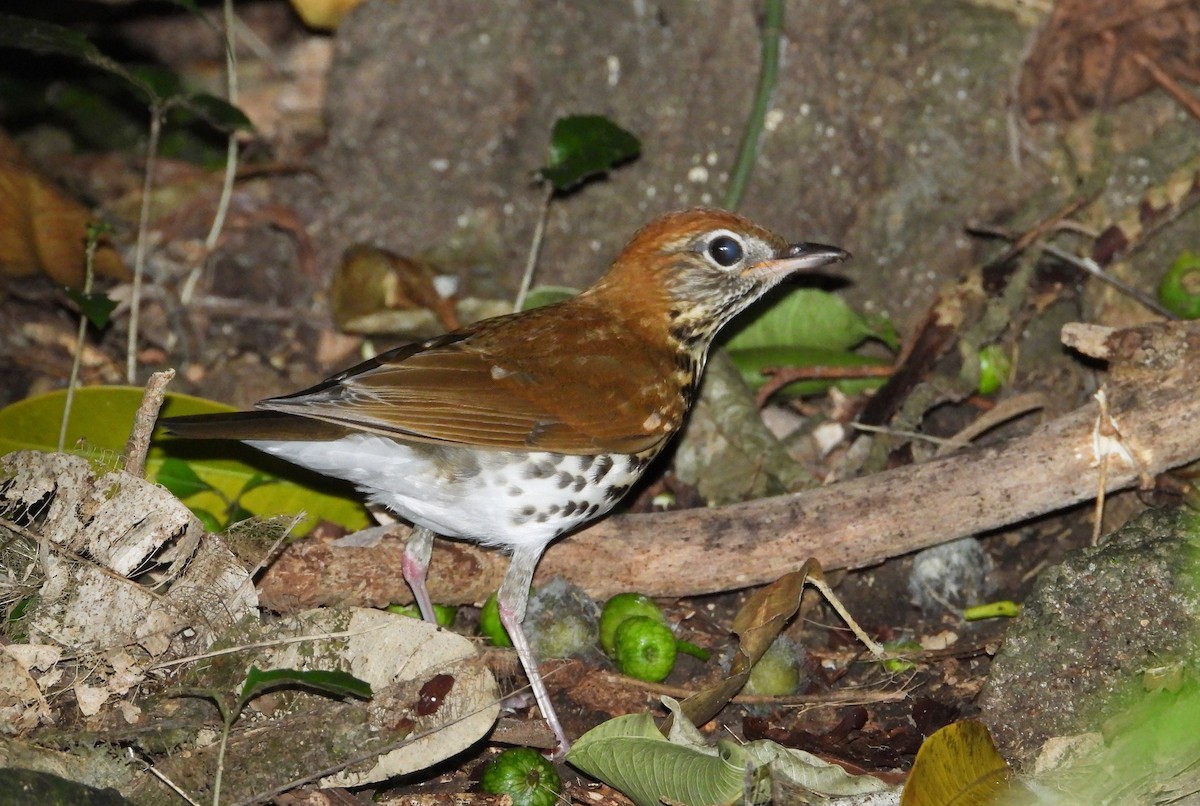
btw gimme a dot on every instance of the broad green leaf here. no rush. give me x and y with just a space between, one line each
335 683
39 36
100 421
547 295
178 477
211 522
630 754
583 146
163 82
256 481
96 307
218 113
809 317
751 363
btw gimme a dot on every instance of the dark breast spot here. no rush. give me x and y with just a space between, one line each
615 492
637 463
603 465
539 470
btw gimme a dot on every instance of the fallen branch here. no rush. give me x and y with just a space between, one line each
1153 392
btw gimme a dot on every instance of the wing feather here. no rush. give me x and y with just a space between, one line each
524 387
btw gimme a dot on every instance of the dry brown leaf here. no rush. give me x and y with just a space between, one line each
373 284
1087 55
42 230
760 620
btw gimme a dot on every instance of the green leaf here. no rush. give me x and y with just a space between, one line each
219 113
96 307
39 36
254 482
102 416
237 514
332 682
751 363
163 83
583 146
178 477
211 522
630 754
809 317
547 295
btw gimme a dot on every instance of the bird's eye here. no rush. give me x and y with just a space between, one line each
725 250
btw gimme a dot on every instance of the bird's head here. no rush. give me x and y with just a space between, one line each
699 268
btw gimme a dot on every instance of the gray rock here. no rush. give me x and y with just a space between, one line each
1090 629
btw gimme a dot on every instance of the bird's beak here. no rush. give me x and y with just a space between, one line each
799 257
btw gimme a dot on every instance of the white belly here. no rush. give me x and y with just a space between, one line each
500 498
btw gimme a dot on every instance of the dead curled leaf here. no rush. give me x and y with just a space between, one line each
42 230
374 289
761 619
1087 55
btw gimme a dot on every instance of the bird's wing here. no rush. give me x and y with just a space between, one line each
517 385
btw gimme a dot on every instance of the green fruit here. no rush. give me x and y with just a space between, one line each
777 673
560 620
903 646
444 614
524 775
624 606
1179 290
490 625
644 649
995 369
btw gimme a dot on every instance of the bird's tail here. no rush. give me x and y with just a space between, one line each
253 425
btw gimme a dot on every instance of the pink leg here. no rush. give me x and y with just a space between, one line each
514 593
415 566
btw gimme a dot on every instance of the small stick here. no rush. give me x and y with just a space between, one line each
1170 85
143 422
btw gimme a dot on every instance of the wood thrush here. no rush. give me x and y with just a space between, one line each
517 429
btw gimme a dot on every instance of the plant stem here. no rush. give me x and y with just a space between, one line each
688 648
229 24
772 32
93 240
139 261
535 248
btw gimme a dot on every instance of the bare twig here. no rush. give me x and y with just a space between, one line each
1169 84
139 260
230 24
535 248
783 376
1093 268
143 422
